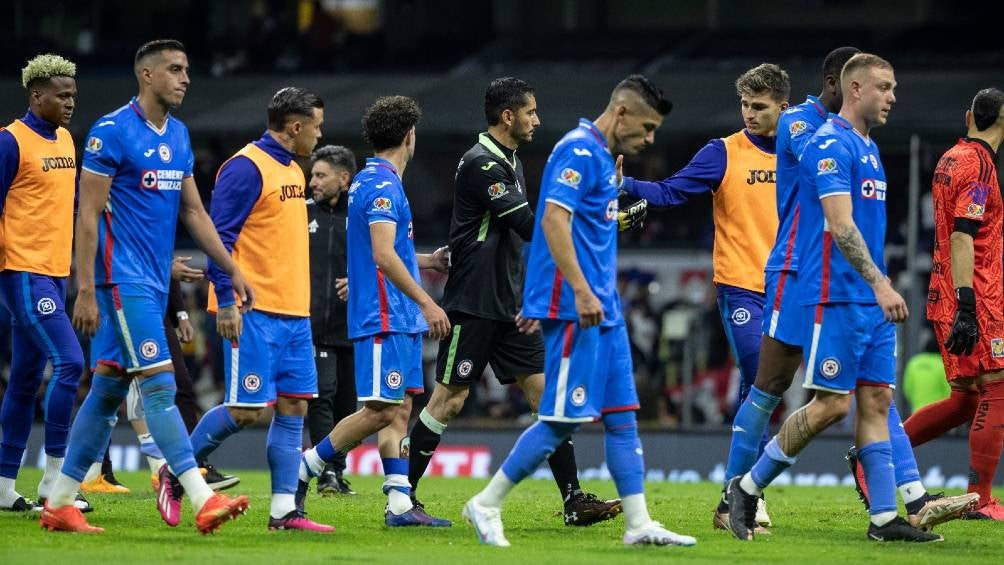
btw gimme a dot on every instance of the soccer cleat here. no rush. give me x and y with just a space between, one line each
858 472
217 510
217 480
22 504
655 534
938 509
414 517
106 484
155 482
66 519
79 502
742 510
169 497
762 518
297 520
331 482
585 509
899 529
720 520
992 510
487 522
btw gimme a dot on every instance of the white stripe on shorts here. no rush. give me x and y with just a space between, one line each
810 368
126 337
377 355
773 323
562 389
235 355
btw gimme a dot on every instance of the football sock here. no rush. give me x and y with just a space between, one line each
285 436
7 493
748 429
425 436
93 472
623 451
876 458
165 422
496 489
92 429
64 489
772 463
106 463
564 469
215 426
282 504
195 486
534 445
154 458
52 467
903 459
635 511
395 485
935 419
985 439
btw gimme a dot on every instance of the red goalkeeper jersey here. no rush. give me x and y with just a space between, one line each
965 187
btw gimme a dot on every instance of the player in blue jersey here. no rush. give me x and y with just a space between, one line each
137 175
849 305
571 288
388 310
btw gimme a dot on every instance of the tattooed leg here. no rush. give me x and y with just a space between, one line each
798 430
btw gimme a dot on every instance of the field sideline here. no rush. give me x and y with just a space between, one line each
813 524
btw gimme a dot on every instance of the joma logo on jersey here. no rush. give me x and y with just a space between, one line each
797 127
50 163
761 176
288 191
873 189
381 203
826 166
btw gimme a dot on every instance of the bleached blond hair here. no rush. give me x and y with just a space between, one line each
44 67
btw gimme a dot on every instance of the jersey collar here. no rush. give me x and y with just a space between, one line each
591 128
983 144
817 105
843 123
134 104
41 126
497 149
381 162
269 145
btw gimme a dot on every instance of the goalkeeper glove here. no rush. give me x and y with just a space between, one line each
633 217
965 330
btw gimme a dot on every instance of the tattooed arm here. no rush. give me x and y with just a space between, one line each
837 209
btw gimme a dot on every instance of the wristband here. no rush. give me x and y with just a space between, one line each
182 316
966 298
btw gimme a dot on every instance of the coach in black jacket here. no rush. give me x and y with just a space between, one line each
331 171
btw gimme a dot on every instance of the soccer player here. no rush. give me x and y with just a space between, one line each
491 220
37 187
331 171
260 213
571 288
137 173
849 301
965 301
739 170
388 310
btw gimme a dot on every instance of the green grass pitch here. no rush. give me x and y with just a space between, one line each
812 525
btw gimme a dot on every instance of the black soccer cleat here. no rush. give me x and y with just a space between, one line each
858 472
331 482
217 480
899 529
22 504
585 509
742 510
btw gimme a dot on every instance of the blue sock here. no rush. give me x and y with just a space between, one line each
535 445
165 423
215 426
396 466
285 440
879 476
93 425
749 432
325 450
903 459
772 463
624 454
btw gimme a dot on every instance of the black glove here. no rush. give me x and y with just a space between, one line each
633 217
965 330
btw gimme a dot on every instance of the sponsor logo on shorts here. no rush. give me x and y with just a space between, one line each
570 177
46 306
164 152
740 316
464 368
149 349
579 395
829 367
251 382
997 347
394 380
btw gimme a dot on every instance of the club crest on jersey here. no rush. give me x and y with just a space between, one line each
164 152
578 395
797 127
741 316
827 166
997 347
46 306
829 367
381 203
149 349
570 177
94 144
148 180
612 208
251 382
394 380
312 226
497 190
464 368
873 189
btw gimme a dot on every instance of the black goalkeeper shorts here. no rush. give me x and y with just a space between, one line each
475 342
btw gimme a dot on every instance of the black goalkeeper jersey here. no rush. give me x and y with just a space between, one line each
491 220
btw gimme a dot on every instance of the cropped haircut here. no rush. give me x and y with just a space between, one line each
336 156
649 92
503 94
766 78
863 61
388 121
43 67
288 102
987 107
836 59
156 46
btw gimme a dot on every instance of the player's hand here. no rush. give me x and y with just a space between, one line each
892 304
182 272
965 329
526 325
86 317
243 290
440 260
589 308
229 323
633 217
620 170
439 323
186 333
342 288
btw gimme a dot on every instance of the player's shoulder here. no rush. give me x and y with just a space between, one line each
113 121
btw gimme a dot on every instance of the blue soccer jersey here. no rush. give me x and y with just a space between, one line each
794 129
147 165
580 177
375 304
839 160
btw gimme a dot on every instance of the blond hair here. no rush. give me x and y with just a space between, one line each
44 67
860 62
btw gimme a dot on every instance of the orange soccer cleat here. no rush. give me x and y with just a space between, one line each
217 510
104 484
66 519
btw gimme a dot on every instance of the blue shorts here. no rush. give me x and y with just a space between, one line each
850 345
587 373
131 336
783 318
387 366
274 357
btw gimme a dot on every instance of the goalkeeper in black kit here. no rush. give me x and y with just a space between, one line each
484 293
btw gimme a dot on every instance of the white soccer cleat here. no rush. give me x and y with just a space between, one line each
487 522
655 534
762 519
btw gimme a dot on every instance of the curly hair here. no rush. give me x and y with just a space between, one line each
44 67
765 78
388 120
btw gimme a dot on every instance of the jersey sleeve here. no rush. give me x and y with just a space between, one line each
382 203
702 174
798 131
969 192
102 150
494 190
831 163
571 175
189 157
238 187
